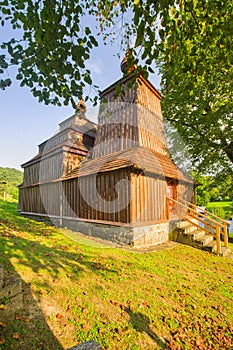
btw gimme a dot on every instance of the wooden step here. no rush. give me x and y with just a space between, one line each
190 229
224 251
189 234
195 234
183 224
210 247
204 240
191 220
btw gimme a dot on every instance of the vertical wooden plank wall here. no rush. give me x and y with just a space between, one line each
51 168
42 199
185 191
50 195
122 124
145 193
148 201
150 120
100 200
46 169
116 123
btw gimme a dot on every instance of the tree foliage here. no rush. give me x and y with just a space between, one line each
190 41
52 49
213 189
10 179
196 65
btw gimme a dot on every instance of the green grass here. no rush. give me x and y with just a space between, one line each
222 209
76 290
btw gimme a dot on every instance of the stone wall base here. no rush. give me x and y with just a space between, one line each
89 345
142 236
146 236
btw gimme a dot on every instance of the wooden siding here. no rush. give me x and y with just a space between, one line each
54 141
142 198
72 129
117 129
148 199
96 197
147 98
45 169
79 123
117 123
52 167
151 131
185 192
139 121
43 199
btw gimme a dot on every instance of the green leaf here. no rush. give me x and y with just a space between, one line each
19 76
93 41
87 79
87 31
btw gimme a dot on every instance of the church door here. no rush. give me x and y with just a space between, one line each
171 193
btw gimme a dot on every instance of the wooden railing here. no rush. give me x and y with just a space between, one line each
206 221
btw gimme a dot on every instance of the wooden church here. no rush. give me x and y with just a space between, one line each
112 180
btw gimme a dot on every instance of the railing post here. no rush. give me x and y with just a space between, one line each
218 240
225 235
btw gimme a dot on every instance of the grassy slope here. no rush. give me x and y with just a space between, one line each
180 297
226 206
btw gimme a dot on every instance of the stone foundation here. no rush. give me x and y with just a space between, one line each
146 236
89 345
142 236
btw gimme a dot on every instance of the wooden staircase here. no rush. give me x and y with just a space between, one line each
202 230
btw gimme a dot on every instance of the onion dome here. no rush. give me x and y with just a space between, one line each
124 64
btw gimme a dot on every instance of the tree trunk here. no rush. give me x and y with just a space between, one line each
229 151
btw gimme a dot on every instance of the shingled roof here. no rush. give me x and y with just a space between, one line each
140 158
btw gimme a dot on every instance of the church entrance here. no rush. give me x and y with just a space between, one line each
171 193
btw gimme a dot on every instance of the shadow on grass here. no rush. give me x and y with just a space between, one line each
52 255
22 322
38 248
141 323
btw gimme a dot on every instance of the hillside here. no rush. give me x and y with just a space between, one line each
10 178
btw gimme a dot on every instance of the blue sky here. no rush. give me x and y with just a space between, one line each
25 123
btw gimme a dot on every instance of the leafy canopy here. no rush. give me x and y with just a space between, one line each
52 48
213 189
10 179
189 41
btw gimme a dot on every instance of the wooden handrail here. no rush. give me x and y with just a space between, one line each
223 225
202 221
205 211
187 218
196 212
219 227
